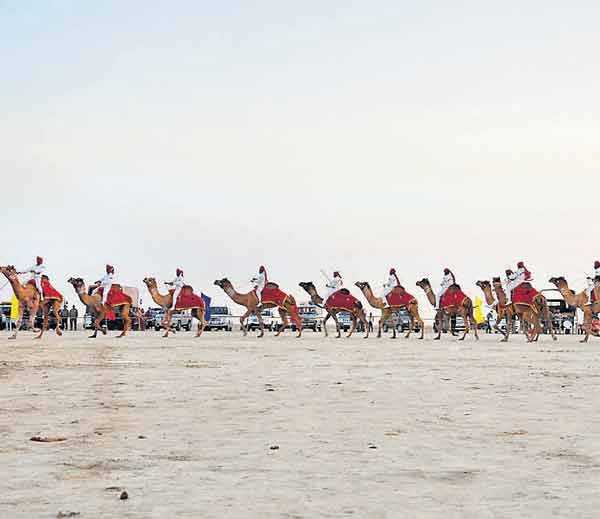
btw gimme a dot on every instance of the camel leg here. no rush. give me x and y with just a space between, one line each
411 324
296 319
550 321
417 317
243 320
167 322
45 311
439 324
353 327
474 325
465 315
325 324
18 322
201 322
261 325
126 321
363 318
56 310
284 321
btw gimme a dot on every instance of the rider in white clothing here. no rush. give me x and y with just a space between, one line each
177 284
390 284
594 281
37 271
447 281
333 285
106 282
259 282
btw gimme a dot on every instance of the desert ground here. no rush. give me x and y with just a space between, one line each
227 426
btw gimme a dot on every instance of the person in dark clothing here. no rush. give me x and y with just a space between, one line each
64 317
73 315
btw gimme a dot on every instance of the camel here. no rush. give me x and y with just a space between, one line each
94 301
464 309
529 315
357 313
28 297
166 302
387 312
580 300
251 303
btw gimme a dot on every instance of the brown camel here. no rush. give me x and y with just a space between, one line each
357 313
580 301
94 301
166 302
528 315
27 295
464 310
251 303
387 312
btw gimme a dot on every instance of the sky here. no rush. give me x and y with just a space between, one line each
350 136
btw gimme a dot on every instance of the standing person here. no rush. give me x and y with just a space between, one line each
333 285
370 321
73 315
593 280
64 316
106 282
259 282
141 315
391 283
177 284
447 281
37 271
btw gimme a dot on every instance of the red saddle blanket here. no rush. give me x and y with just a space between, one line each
116 296
272 294
49 291
524 295
342 300
399 297
453 298
187 299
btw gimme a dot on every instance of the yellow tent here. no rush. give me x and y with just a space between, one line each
14 308
478 310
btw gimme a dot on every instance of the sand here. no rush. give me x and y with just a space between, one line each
227 426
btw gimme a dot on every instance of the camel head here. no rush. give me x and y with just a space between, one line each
150 283
362 285
78 283
559 282
309 286
9 271
484 285
223 283
424 284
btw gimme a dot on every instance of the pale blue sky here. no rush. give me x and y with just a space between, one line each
341 135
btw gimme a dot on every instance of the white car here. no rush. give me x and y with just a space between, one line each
220 319
268 319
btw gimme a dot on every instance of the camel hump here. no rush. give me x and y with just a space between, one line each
345 291
455 286
270 284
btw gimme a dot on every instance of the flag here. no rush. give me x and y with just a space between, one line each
206 300
14 308
478 312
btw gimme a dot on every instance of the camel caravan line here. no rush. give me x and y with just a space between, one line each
515 298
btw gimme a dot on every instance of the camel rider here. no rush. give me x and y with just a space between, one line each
447 281
37 271
593 281
515 279
106 282
259 282
177 284
333 285
391 283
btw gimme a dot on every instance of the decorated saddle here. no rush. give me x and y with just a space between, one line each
49 291
342 300
454 296
273 294
187 300
116 296
399 297
524 294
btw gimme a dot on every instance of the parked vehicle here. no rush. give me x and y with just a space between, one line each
311 317
116 324
220 319
268 319
4 315
181 320
400 320
345 320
